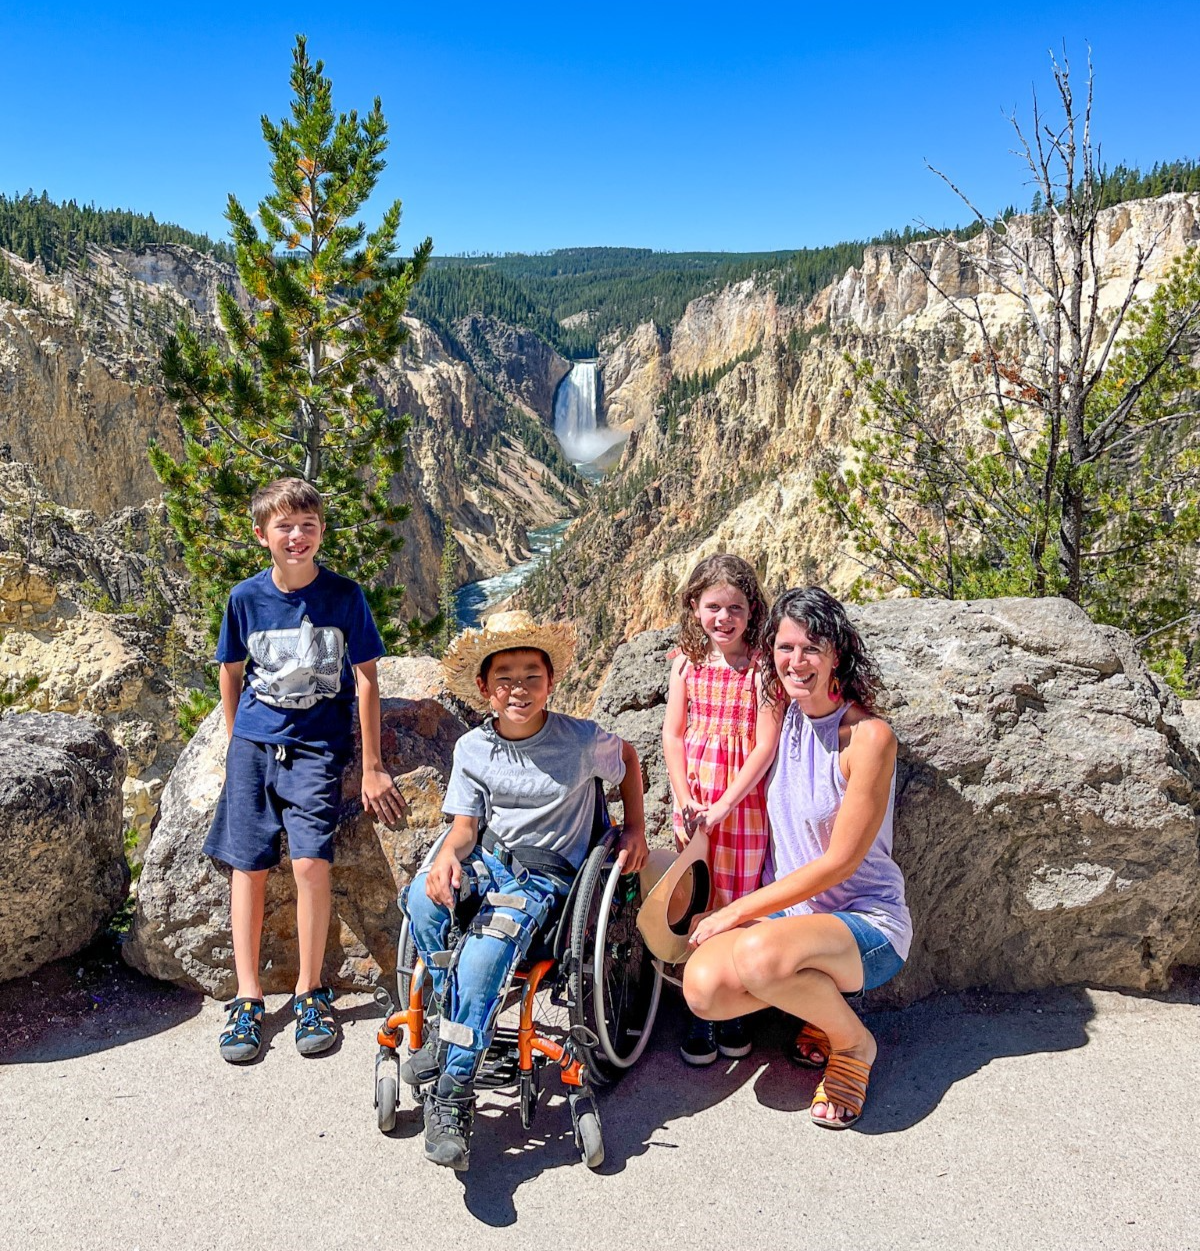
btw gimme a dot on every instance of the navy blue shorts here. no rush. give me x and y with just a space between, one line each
269 790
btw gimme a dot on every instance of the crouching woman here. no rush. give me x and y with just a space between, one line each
830 920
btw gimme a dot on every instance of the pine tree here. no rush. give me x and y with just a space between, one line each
447 585
291 395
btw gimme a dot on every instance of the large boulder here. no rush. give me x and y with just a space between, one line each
1048 793
62 853
181 927
631 703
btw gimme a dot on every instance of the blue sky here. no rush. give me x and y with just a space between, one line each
698 126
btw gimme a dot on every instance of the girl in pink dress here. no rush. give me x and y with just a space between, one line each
719 739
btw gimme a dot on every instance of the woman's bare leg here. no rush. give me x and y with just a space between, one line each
799 964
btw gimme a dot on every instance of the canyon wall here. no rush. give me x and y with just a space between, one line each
735 468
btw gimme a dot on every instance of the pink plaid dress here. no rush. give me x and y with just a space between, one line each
722 707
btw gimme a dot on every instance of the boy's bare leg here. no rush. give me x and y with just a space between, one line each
247 902
314 905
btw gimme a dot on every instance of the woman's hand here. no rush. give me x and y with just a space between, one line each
714 923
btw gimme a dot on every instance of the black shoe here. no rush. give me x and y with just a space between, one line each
700 1046
733 1038
449 1112
421 1066
316 1030
242 1037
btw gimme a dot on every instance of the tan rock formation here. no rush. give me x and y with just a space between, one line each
181 928
739 473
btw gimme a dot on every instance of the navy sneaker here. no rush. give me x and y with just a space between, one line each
242 1038
316 1030
700 1046
733 1038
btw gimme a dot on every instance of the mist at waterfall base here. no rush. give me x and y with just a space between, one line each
583 441
591 448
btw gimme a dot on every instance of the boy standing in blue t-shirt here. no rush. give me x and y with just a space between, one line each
295 642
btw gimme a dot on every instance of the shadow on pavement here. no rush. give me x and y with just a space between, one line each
658 1090
928 1047
923 1051
87 1003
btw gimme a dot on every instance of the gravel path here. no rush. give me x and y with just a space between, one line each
1057 1120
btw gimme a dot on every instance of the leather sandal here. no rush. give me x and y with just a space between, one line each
808 1040
845 1085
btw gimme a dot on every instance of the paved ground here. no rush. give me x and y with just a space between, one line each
1056 1120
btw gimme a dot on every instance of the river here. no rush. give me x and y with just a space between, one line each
593 449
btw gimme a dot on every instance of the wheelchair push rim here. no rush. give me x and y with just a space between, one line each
616 979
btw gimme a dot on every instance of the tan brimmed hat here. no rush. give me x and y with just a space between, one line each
500 633
676 890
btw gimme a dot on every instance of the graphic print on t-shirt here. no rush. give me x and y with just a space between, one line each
296 668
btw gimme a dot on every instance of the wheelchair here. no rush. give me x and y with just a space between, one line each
586 997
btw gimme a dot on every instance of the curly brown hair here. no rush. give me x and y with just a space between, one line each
721 569
823 619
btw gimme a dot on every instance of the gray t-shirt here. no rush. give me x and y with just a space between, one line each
537 791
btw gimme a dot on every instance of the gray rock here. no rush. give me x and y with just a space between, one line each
62 856
1048 792
181 927
1047 798
631 703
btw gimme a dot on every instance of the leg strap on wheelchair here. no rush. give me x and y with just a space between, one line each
517 902
497 925
459 1035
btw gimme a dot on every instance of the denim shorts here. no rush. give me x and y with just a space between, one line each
269 790
880 961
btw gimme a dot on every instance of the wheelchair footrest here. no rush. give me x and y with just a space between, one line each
500 1063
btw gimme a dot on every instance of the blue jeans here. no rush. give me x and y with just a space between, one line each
469 982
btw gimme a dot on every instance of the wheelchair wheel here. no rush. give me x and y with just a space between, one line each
615 983
387 1086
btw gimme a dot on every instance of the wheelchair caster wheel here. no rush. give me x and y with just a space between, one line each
387 1089
589 1139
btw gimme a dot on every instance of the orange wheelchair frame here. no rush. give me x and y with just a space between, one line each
593 958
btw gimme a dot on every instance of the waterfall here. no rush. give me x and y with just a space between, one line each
575 416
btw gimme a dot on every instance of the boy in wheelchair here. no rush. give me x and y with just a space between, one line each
528 775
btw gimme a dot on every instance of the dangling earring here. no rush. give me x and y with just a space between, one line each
835 690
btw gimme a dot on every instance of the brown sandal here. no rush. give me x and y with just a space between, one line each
844 1084
809 1039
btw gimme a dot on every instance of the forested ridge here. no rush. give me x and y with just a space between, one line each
609 290
35 228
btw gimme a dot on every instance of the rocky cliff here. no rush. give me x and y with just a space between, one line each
92 588
80 400
733 466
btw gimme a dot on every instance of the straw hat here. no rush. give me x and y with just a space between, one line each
499 633
676 890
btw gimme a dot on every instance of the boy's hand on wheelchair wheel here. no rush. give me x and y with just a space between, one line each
632 851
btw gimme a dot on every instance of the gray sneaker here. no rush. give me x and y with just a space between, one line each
421 1066
449 1113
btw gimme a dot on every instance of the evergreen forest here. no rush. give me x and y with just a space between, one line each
600 291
